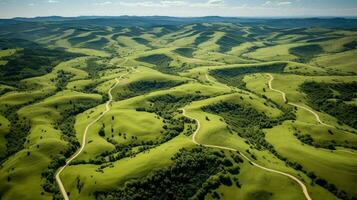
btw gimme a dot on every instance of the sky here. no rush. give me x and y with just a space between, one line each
186 8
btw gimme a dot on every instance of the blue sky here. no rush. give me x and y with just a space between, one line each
249 8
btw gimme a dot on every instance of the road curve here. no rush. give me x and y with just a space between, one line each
208 79
302 107
293 104
84 139
302 185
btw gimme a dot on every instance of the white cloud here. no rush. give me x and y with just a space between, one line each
277 3
209 3
253 8
215 2
103 3
267 3
53 1
140 3
163 3
173 3
283 3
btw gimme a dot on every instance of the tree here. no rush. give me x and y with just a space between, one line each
311 175
225 180
101 132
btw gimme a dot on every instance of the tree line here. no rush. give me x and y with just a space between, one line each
322 98
192 175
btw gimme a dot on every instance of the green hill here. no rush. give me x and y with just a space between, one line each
100 108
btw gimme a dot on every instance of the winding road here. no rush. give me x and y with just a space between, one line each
302 185
108 107
208 79
302 107
84 139
293 104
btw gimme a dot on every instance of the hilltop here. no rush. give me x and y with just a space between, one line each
178 108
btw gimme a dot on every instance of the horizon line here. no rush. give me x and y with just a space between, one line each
203 16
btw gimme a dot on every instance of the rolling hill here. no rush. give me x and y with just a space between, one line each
178 108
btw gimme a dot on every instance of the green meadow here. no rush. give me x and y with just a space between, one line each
178 109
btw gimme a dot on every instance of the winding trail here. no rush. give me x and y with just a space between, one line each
302 185
208 79
305 108
293 104
84 139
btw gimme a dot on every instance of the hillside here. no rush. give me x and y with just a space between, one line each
178 108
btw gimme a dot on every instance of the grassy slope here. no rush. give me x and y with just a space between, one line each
202 55
336 167
43 141
4 129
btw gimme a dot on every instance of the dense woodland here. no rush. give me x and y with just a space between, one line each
333 99
30 60
146 86
247 122
306 53
161 63
193 173
234 76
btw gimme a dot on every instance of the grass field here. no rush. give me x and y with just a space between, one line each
122 88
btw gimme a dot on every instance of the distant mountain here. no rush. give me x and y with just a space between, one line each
345 23
43 19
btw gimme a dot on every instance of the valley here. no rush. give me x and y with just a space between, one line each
178 108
